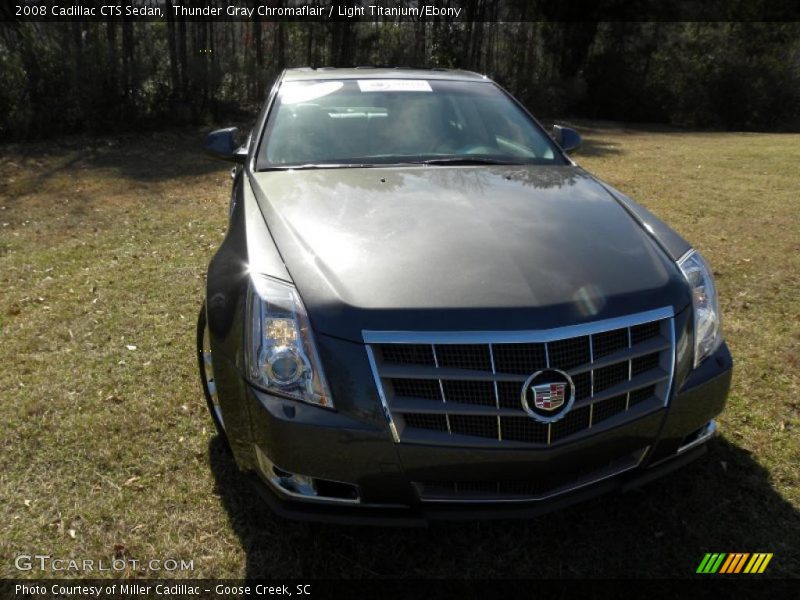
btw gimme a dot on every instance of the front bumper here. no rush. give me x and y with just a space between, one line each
421 516
335 447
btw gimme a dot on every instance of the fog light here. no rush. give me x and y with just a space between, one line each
297 484
302 486
700 436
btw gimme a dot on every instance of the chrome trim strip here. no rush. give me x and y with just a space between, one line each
384 404
525 387
496 395
630 362
673 361
709 431
685 256
630 372
441 389
552 494
591 380
433 373
494 372
510 337
416 405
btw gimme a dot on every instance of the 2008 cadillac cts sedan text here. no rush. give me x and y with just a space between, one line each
423 308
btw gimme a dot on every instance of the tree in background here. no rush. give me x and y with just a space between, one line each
108 76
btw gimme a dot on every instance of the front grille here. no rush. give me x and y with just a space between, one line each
408 354
465 389
540 488
416 388
464 356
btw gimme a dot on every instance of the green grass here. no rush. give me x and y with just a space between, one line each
108 451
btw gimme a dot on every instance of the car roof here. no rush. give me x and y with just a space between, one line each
317 73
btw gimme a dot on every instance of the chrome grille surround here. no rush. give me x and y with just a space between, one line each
631 361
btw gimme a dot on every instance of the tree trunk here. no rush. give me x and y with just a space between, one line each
111 73
259 70
175 81
182 58
127 59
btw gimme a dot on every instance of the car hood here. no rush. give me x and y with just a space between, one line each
461 248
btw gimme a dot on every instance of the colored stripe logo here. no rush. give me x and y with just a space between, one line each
735 562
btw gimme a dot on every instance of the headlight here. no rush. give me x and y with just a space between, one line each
707 318
280 354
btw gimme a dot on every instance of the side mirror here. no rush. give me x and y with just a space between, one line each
567 138
222 144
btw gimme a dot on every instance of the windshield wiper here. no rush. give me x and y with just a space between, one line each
444 160
468 160
300 167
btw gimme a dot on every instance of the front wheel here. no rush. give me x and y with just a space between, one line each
206 364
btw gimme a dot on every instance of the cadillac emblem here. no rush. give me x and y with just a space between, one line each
548 395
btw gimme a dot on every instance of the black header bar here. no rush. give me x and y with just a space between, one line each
394 11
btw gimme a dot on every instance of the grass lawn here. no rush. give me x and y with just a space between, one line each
107 449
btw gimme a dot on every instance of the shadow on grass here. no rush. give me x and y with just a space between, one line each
723 502
138 157
599 147
157 157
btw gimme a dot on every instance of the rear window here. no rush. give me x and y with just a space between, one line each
395 121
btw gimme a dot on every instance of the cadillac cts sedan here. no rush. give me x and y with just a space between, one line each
424 308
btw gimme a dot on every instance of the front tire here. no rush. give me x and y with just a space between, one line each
205 363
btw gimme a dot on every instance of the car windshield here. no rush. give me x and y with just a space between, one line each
367 122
